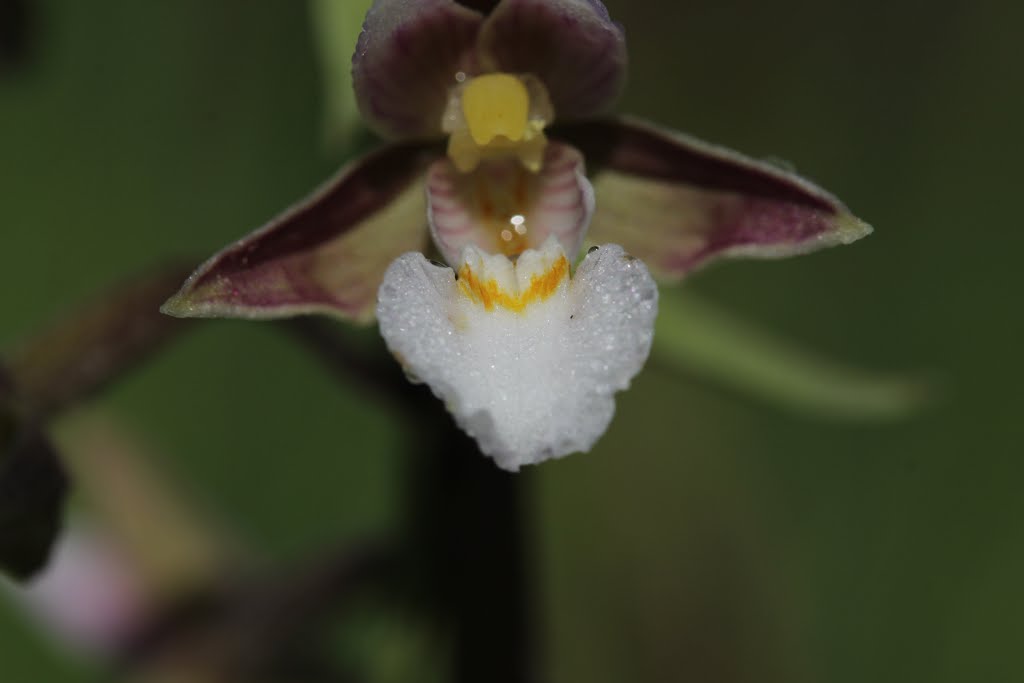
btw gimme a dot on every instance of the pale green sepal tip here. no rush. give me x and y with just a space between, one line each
179 307
848 229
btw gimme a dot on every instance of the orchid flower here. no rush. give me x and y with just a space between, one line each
502 158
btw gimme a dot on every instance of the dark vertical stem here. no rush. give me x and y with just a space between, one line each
15 33
470 540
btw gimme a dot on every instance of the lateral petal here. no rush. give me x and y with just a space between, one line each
573 46
406 60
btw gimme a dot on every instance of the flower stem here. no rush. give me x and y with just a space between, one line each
469 536
93 345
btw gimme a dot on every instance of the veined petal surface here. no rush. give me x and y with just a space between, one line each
327 254
573 46
504 209
679 203
525 359
406 59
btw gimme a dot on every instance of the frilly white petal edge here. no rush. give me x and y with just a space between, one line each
526 359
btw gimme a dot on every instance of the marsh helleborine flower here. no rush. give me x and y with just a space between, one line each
493 107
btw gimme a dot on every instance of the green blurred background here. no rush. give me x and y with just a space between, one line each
709 536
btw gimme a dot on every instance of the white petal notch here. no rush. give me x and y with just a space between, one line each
526 358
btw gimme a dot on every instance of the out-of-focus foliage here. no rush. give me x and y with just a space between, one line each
700 340
335 28
705 538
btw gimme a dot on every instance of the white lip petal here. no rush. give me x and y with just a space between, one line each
525 359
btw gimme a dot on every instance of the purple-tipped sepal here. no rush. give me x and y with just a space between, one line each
325 255
679 203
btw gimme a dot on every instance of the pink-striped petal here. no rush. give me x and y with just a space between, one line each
679 203
327 254
406 60
502 208
573 46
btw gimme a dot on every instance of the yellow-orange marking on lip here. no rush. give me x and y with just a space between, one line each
490 294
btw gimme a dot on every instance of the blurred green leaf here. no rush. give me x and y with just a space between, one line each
698 338
388 644
336 27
